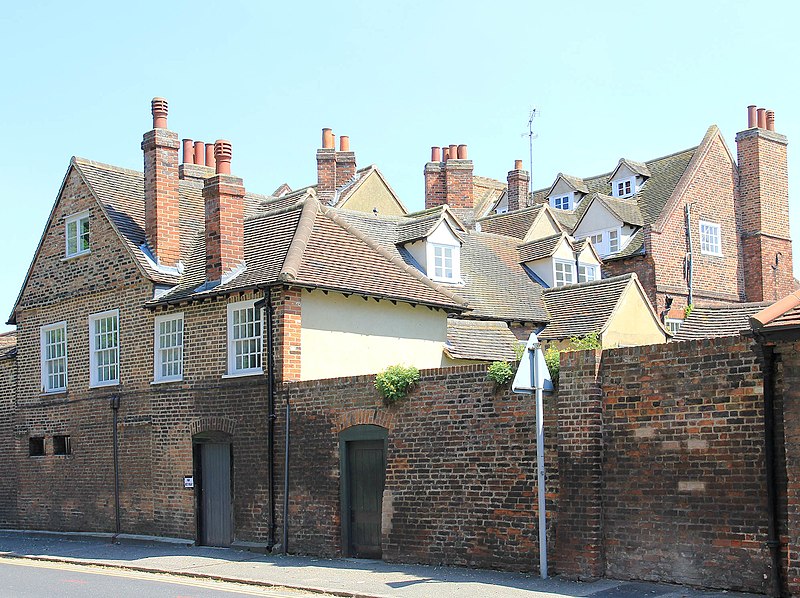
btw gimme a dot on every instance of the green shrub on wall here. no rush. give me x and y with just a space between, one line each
395 381
500 372
576 343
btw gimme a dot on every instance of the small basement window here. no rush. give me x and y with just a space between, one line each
62 445
36 446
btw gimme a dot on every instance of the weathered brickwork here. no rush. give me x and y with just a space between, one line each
682 492
461 468
8 443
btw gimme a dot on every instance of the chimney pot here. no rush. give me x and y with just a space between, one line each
344 143
436 154
453 151
462 152
327 139
770 120
199 153
159 108
752 120
188 151
446 151
210 161
223 152
517 164
762 118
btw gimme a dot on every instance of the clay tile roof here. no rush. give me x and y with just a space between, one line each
665 172
781 315
722 320
626 209
482 340
8 345
540 248
577 183
512 224
485 193
418 225
495 285
580 309
639 168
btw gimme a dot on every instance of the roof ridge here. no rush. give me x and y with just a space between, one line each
87 162
390 257
512 212
598 282
278 211
299 242
547 238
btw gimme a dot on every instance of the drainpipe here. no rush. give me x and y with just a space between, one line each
769 456
689 254
266 303
286 483
115 411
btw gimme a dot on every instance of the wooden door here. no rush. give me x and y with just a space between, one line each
366 472
215 505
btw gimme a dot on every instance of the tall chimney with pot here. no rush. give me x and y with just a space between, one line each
763 209
223 195
345 161
161 201
326 167
435 194
458 178
518 182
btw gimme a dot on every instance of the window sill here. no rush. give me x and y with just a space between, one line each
243 374
170 381
53 393
75 256
710 254
104 385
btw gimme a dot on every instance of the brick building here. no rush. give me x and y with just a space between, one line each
697 226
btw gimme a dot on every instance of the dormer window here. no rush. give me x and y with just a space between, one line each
443 262
77 234
624 188
564 272
562 202
606 242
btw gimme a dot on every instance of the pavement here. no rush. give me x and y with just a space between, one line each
339 577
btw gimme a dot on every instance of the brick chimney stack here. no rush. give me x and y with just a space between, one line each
334 169
448 178
518 181
763 196
224 202
161 200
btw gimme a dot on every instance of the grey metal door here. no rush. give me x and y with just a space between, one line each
215 507
366 464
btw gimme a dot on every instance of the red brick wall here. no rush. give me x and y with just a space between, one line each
161 194
461 468
681 493
9 440
711 195
224 225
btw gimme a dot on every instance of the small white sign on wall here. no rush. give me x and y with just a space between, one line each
188 482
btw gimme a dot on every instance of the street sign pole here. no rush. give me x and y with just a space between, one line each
533 378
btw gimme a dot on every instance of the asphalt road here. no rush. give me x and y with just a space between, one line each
39 579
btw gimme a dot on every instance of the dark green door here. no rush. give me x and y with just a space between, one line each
215 505
366 469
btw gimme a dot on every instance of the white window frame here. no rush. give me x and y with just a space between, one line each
603 245
94 380
672 324
76 219
455 262
568 267
232 369
587 268
46 388
614 235
712 236
560 199
159 350
615 190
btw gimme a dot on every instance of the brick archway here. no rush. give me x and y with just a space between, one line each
358 417
212 424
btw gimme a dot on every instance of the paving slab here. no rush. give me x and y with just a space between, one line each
343 577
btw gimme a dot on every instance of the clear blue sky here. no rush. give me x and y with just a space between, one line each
633 79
